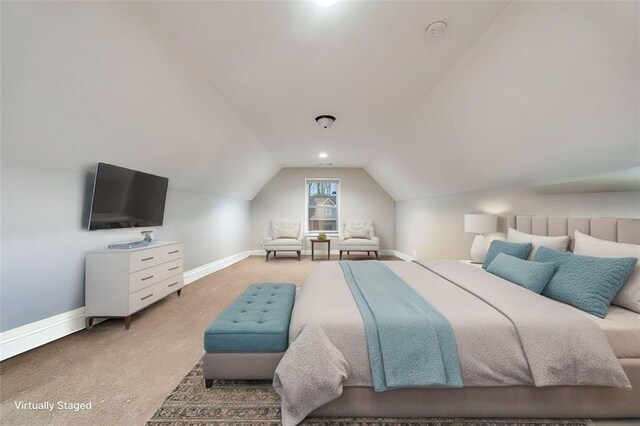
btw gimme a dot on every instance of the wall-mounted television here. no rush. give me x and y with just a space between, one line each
125 198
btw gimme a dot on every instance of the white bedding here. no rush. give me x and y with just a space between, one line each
497 345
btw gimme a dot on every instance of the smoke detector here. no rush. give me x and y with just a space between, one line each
325 120
437 29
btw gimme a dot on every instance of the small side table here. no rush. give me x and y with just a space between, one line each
316 240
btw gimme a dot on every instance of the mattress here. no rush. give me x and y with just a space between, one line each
621 327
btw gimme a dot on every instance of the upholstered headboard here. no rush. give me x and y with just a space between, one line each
620 230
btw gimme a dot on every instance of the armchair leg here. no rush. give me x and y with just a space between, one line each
299 253
267 258
376 252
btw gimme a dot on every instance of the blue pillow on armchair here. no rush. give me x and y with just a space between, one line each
586 282
519 250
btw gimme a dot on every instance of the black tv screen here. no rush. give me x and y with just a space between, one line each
124 198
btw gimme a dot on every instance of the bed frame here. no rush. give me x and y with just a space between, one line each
511 401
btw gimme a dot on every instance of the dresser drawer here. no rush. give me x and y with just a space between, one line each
153 293
146 277
147 258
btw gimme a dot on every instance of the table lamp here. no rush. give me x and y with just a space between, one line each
479 224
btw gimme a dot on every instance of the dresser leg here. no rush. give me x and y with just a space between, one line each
127 322
179 292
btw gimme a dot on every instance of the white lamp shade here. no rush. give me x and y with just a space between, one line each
480 223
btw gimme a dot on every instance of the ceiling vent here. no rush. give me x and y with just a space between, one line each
437 29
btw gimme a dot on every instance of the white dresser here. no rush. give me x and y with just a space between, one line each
119 283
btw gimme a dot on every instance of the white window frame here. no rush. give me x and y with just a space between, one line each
307 232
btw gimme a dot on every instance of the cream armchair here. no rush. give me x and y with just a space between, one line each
284 235
358 236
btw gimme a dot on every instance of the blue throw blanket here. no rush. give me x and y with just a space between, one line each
410 342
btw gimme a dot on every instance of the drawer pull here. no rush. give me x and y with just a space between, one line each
176 283
146 278
174 268
146 258
146 297
174 252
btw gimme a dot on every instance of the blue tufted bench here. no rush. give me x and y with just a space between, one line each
249 338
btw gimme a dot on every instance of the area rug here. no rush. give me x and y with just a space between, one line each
254 402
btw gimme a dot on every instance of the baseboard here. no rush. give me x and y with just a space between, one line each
402 255
30 336
38 333
383 252
204 270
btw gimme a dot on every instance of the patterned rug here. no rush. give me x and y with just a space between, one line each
254 402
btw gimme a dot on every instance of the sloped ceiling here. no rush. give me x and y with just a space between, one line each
280 64
88 82
220 95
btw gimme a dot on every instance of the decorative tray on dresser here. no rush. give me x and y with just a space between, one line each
119 283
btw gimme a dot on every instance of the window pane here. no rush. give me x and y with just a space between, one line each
322 205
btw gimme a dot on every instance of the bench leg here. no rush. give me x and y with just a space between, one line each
267 258
275 254
208 383
376 252
299 253
340 254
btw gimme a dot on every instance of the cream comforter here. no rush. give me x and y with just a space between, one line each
505 335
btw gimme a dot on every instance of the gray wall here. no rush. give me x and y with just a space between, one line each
44 244
434 227
361 198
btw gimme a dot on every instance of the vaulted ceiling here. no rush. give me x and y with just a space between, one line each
220 95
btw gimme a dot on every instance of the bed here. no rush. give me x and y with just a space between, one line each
509 341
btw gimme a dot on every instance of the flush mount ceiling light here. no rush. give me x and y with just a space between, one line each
322 155
325 120
326 3
437 29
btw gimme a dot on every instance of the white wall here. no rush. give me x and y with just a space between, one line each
86 82
549 91
361 198
434 227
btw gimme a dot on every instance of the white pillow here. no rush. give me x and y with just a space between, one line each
556 243
629 295
356 232
285 229
292 232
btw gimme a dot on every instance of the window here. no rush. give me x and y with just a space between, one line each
322 205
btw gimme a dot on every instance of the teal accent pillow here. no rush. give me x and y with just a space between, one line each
519 250
526 273
586 282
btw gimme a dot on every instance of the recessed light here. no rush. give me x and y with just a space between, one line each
322 155
326 3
